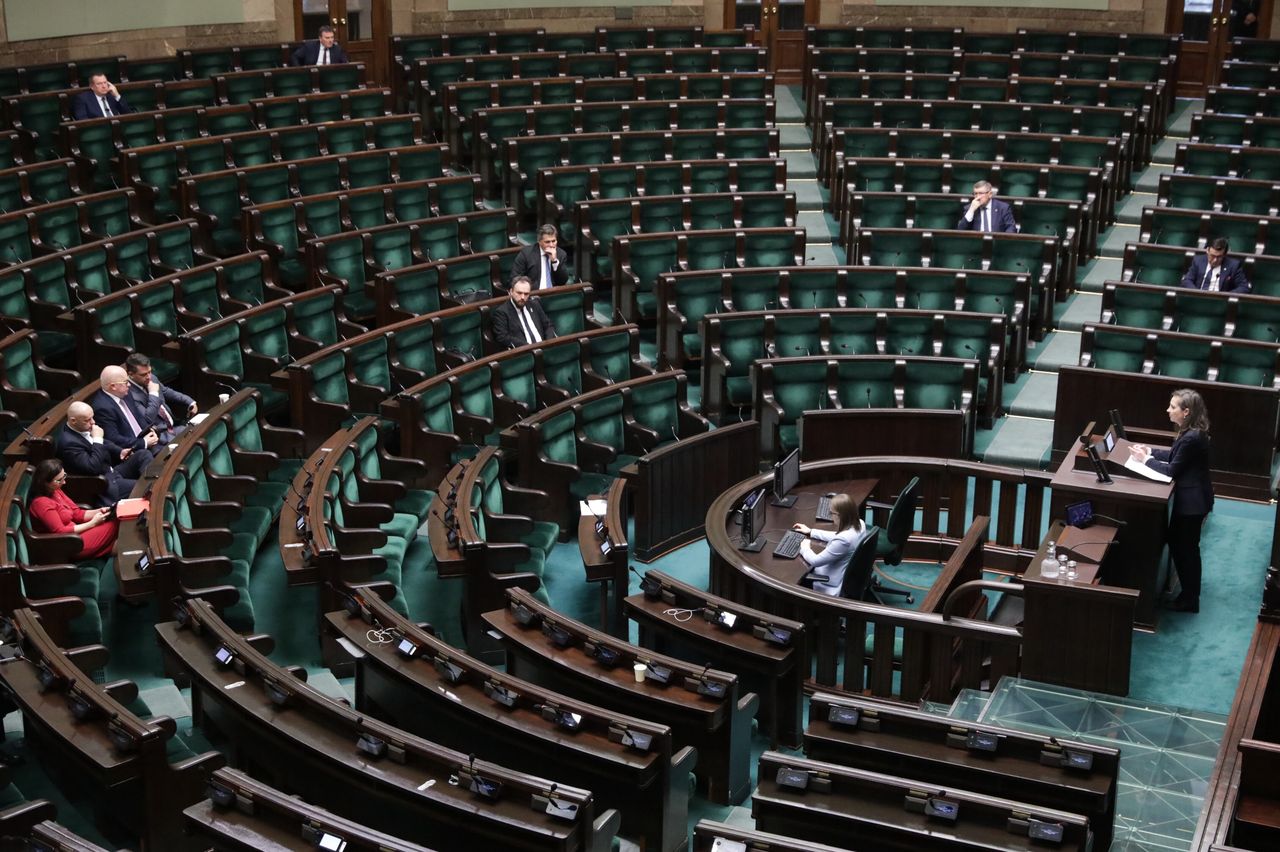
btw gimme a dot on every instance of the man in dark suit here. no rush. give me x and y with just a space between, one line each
323 51
543 264
1213 270
1244 18
85 451
520 320
987 213
159 404
121 420
101 99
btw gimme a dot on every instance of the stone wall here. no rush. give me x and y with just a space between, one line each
435 16
1123 16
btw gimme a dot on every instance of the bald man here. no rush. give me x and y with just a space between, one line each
122 422
85 451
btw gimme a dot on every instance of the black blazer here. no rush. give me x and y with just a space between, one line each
85 105
1187 461
115 428
309 52
507 329
1231 279
82 457
529 264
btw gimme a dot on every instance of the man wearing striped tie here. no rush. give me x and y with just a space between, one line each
323 51
987 213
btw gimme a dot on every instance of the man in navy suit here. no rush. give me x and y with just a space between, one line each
102 99
159 403
123 422
543 264
1213 270
987 213
323 51
85 451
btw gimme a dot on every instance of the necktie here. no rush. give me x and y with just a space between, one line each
128 416
1208 279
986 218
324 58
530 335
106 107
546 273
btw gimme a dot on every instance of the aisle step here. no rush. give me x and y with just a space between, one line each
1085 307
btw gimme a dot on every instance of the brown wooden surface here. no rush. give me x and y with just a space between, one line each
837 433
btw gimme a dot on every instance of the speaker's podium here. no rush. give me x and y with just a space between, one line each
1137 505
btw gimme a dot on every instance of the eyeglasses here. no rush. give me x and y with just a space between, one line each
59 479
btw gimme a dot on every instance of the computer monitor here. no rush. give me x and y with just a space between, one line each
786 475
754 508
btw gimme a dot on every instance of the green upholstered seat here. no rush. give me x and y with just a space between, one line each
865 383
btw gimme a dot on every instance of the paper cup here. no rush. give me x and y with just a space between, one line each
640 668
223 397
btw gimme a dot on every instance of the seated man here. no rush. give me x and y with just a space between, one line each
102 99
157 402
120 418
84 451
521 319
987 213
543 264
1216 272
322 51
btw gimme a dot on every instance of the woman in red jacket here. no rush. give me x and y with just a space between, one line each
52 511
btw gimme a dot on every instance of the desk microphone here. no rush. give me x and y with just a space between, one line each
674 433
969 349
868 397
861 298
1073 551
450 529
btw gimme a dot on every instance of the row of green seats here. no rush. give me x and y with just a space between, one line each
1165 265
1255 49
1025 254
1037 41
1184 356
1249 75
511 543
281 227
15 149
1210 128
68 223
525 156
354 375
639 259
425 287
1197 192
157 168
243 345
597 222
36 293
1236 100
354 258
491 127
147 315
576 448
1242 316
462 98
98 141
784 388
1046 149
429 76
39 183
561 188
40 115
449 416
732 341
1248 234
1233 161
686 300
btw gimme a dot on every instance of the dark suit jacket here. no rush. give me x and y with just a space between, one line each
1230 280
309 52
85 105
529 264
115 428
1002 221
178 403
1187 461
82 457
508 331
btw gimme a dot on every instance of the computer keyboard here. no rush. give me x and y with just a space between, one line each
824 508
790 545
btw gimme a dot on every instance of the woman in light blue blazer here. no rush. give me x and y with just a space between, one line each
834 559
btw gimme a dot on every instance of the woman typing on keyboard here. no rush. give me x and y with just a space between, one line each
841 544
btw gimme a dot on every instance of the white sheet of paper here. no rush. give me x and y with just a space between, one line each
1142 470
596 508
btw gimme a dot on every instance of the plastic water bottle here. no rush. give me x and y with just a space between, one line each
1049 565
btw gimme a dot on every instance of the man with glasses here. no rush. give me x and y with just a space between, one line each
123 423
987 213
101 100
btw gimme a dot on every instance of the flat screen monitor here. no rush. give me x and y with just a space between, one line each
753 516
1109 439
786 476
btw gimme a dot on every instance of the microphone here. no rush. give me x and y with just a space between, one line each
450 530
674 433
868 397
227 387
1273 333
861 298
969 349
1000 302
814 297
1073 552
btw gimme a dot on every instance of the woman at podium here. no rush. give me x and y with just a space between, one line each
1187 461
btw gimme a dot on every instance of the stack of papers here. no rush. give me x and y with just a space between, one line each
1141 469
